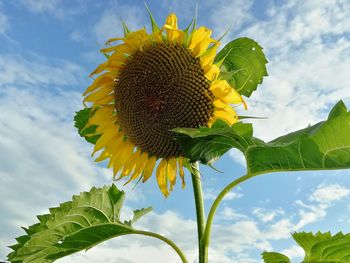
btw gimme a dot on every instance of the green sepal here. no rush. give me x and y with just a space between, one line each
224 34
81 119
244 58
242 117
155 27
188 34
125 28
89 219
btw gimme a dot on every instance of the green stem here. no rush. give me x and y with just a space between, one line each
169 242
227 189
198 198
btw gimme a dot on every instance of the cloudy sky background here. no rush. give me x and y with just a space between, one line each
47 50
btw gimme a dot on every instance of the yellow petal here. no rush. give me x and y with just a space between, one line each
104 101
171 171
103 156
107 136
130 165
99 69
140 165
114 147
99 94
106 78
125 152
199 35
137 34
122 49
209 56
181 171
175 35
220 88
162 177
202 46
211 121
101 116
229 118
212 73
117 57
171 21
219 104
147 172
233 97
115 66
108 125
111 40
172 31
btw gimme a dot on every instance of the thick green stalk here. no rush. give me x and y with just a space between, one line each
219 198
169 242
198 198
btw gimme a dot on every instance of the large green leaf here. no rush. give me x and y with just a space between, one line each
319 248
80 120
325 145
89 219
244 65
274 257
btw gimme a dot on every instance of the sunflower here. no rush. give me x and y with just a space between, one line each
150 84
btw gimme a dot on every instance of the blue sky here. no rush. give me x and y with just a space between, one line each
47 50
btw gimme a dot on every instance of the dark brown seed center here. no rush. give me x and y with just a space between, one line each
161 88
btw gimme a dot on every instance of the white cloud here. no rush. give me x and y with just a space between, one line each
4 22
231 15
294 252
15 69
267 215
237 156
77 36
56 8
109 25
329 193
230 214
322 199
210 194
41 6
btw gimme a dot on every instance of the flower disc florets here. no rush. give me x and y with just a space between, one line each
160 88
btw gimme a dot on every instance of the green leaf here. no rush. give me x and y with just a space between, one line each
319 248
273 257
89 219
208 144
140 213
325 145
80 120
243 65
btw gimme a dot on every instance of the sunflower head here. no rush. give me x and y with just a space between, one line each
150 84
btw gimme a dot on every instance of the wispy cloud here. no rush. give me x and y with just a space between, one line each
210 194
225 15
37 71
267 215
110 23
330 193
4 21
56 8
